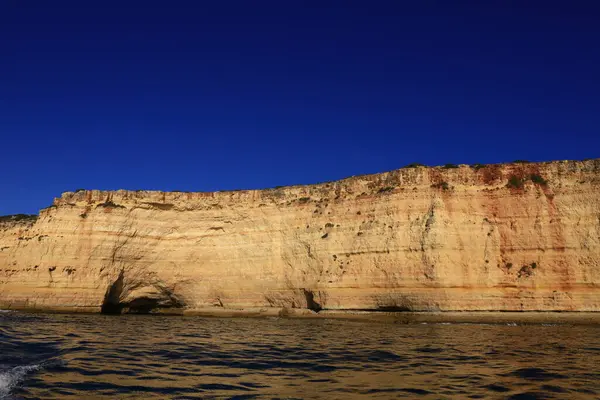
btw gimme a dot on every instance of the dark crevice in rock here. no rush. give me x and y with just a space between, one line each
428 263
112 303
311 304
110 204
390 309
393 302
380 310
160 206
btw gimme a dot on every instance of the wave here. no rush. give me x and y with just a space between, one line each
9 379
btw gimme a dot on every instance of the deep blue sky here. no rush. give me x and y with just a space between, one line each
216 95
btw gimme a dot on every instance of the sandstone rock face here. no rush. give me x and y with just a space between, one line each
513 237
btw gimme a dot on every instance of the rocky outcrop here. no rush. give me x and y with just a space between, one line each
511 237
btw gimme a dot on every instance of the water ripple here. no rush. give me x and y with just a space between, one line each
153 357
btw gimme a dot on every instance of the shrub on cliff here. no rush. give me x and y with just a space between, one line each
527 270
441 185
414 165
477 167
514 182
18 217
449 166
535 178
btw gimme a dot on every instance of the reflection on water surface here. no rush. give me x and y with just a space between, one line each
143 357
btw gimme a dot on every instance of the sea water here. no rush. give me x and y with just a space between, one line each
168 357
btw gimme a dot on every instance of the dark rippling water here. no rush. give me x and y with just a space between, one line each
159 357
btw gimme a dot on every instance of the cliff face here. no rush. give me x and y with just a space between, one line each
498 237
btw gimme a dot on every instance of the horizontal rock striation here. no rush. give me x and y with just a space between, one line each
508 237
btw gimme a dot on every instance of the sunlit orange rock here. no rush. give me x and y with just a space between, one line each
513 237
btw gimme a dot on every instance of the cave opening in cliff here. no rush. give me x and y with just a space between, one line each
142 305
311 304
112 303
109 308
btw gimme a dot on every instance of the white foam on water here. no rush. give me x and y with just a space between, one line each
9 379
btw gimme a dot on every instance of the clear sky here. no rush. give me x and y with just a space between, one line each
216 95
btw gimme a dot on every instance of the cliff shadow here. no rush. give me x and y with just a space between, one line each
311 304
162 299
112 298
393 302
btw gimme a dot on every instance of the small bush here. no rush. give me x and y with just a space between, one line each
18 217
450 166
514 182
537 179
385 189
521 162
477 167
441 185
414 165
525 272
329 225
325 236
534 265
79 190
304 199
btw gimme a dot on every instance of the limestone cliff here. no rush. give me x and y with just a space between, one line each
523 236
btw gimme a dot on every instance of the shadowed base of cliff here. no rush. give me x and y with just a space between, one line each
455 317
